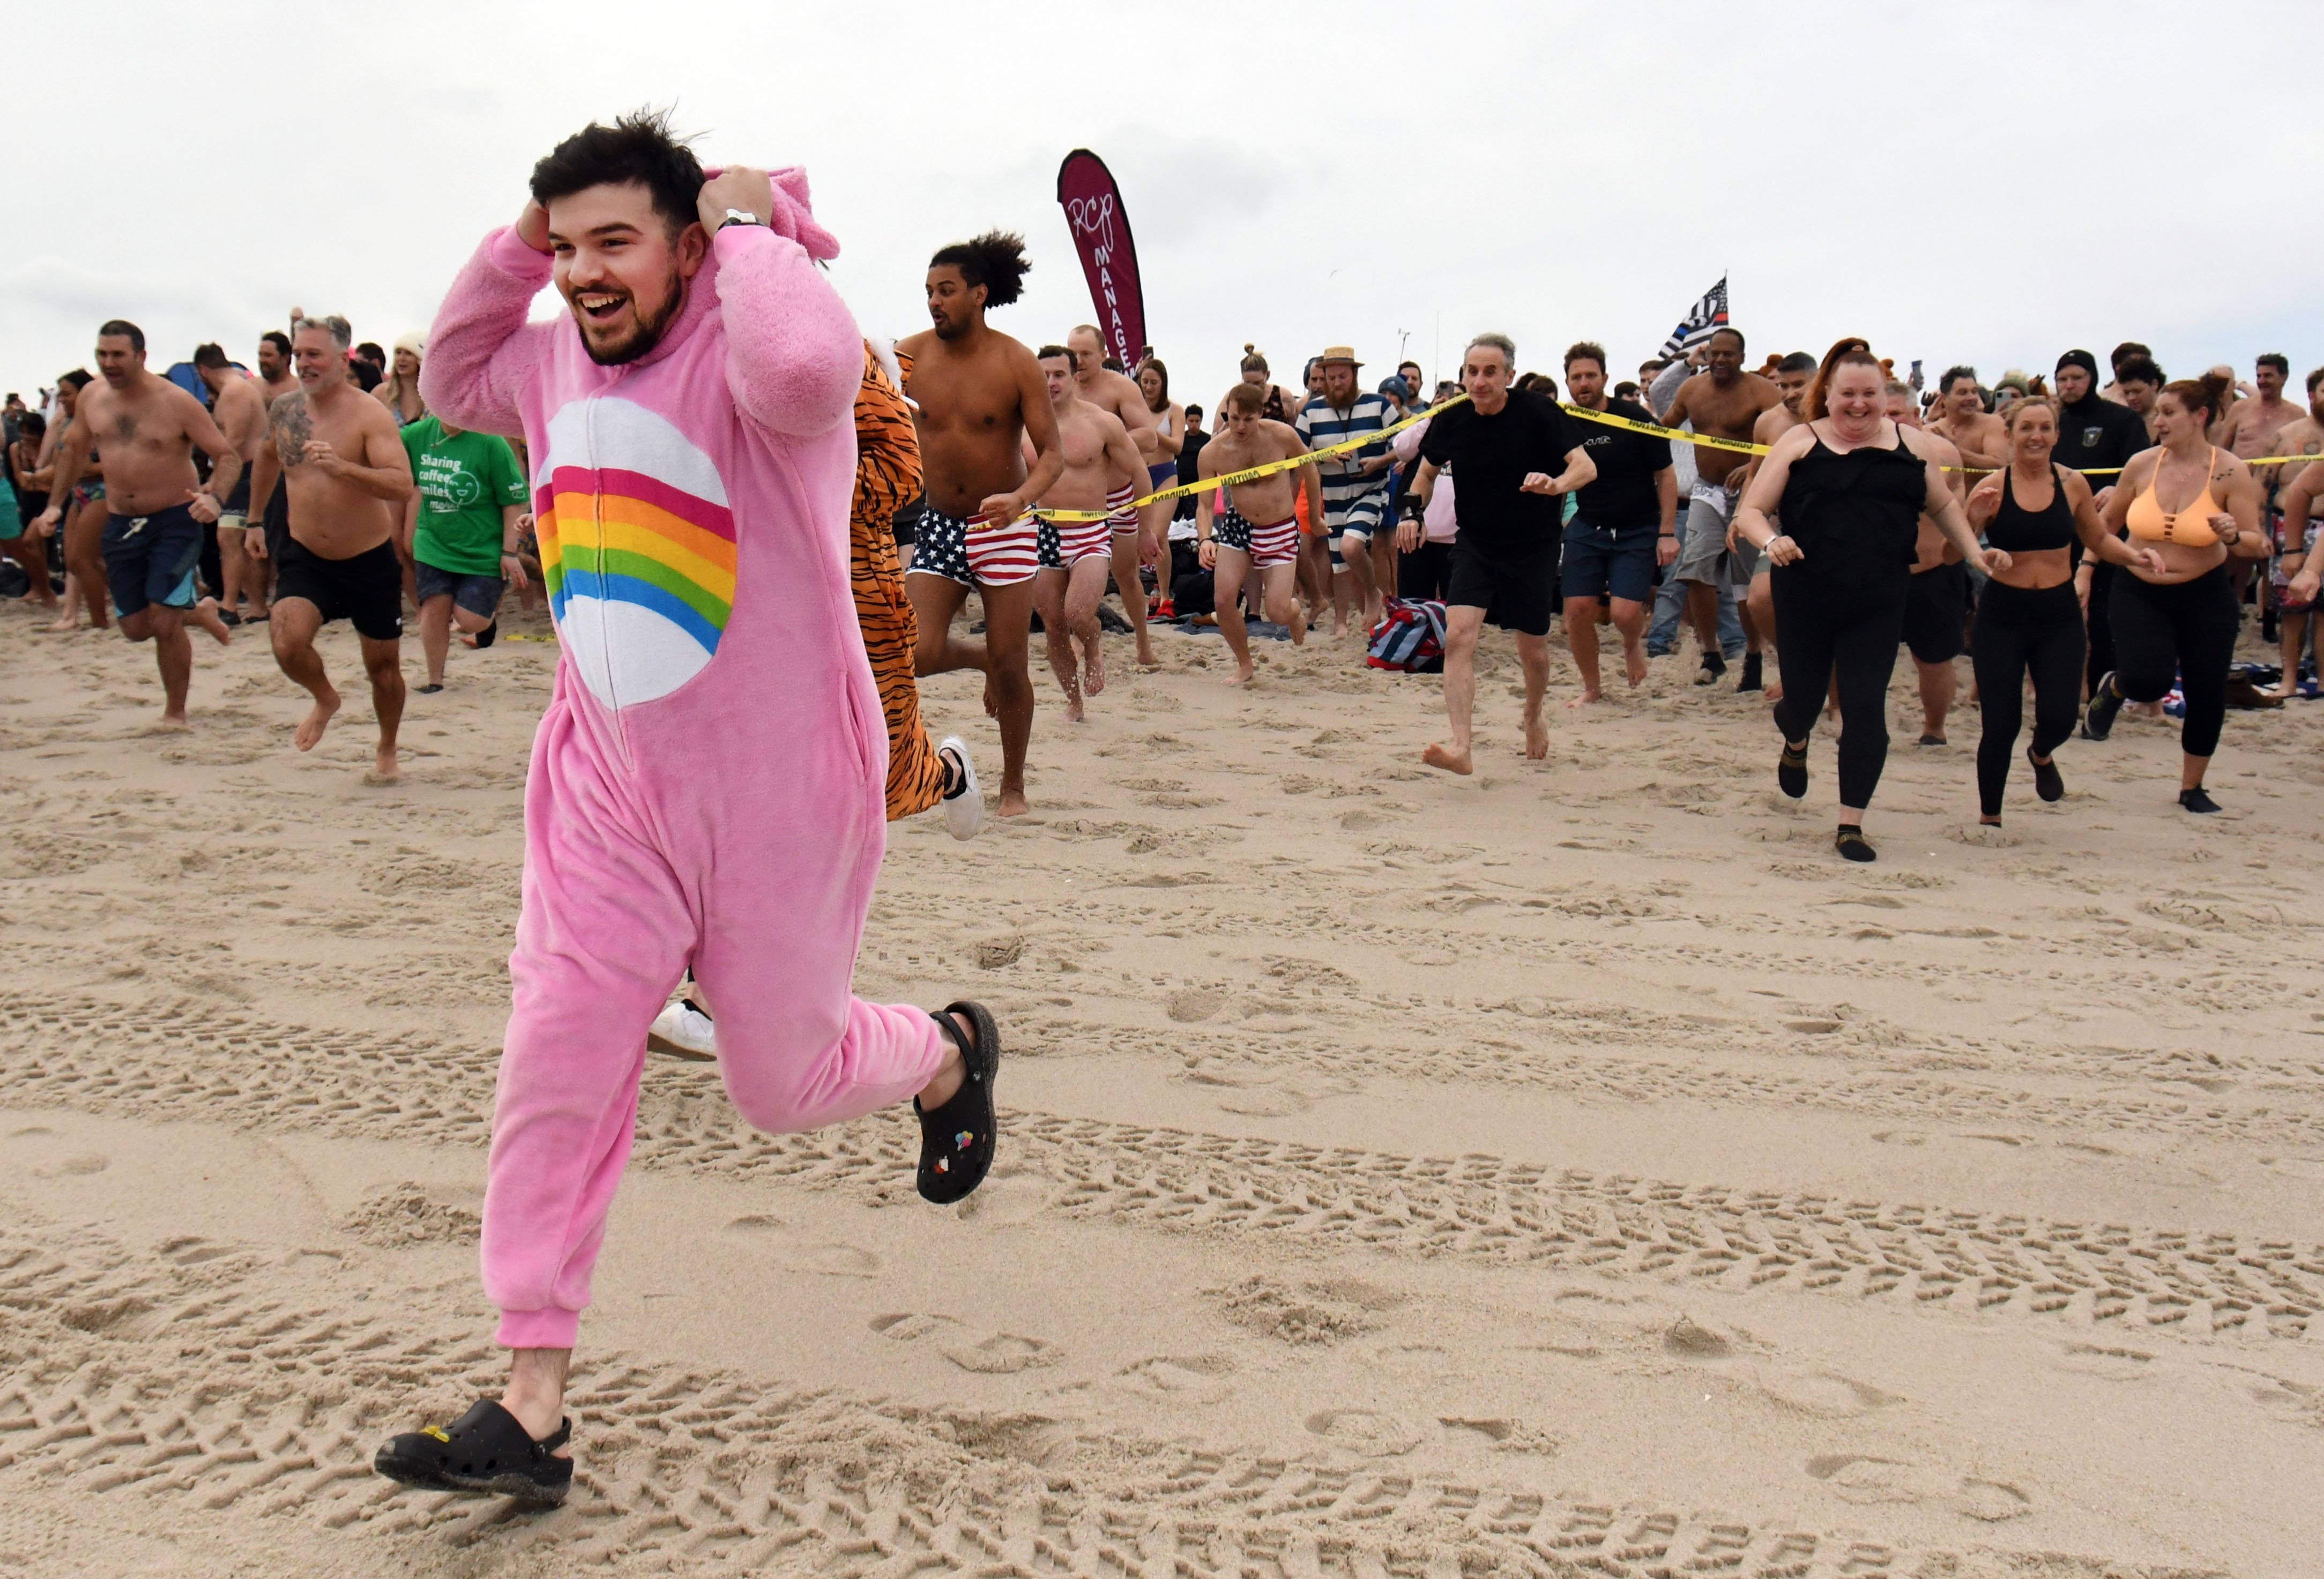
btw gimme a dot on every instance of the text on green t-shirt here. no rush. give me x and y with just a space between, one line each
465 479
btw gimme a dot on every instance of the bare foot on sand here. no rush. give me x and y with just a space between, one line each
1146 659
1014 804
992 699
1634 664
1536 740
311 727
69 622
1245 673
1298 626
205 613
1073 713
1437 756
1588 697
1093 669
385 768
172 724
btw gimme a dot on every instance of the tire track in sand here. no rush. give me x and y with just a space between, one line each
214 1372
200 1066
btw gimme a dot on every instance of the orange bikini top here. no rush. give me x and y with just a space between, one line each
2150 523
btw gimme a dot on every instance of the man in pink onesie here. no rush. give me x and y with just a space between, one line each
707 788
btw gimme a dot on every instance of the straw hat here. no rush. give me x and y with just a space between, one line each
1346 354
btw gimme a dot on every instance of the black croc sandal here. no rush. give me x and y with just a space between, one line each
957 1139
486 1450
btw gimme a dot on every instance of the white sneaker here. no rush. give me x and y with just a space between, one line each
684 1031
963 808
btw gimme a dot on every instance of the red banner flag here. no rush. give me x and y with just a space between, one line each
1094 212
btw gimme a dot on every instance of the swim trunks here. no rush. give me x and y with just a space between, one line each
1936 614
1064 544
1702 546
1270 543
1359 517
151 558
1122 518
365 589
987 556
2281 583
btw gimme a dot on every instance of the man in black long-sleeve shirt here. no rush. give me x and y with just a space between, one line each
2095 432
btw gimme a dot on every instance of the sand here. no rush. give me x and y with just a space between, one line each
1574 1170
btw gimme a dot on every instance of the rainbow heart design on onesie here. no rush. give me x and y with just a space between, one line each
637 546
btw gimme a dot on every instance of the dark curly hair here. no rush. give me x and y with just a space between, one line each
995 260
638 149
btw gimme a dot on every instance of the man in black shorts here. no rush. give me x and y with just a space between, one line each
1936 610
343 466
1502 445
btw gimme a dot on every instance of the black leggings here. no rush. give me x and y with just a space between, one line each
2021 633
1851 628
2186 631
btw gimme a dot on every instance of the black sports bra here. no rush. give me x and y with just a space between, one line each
2015 529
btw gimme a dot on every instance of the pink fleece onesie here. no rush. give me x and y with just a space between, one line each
707 786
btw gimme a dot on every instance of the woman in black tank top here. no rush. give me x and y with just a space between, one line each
1851 490
2030 620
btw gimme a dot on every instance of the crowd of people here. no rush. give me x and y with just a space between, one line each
1639 529
1637 511
684 461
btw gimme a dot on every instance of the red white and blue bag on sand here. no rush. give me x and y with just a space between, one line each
1410 638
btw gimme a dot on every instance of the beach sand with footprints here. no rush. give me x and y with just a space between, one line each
1576 1169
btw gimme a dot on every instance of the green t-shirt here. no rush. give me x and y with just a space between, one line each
464 481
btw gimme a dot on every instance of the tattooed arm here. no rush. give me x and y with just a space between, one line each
376 464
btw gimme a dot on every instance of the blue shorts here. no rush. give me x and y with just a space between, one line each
150 558
1617 560
479 595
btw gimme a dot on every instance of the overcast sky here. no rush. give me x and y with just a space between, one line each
1988 183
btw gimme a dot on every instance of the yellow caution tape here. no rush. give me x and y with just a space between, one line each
1708 440
1612 420
1249 474
520 636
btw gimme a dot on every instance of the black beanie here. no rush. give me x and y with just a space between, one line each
2081 359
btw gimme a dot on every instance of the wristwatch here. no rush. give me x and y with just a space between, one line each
739 217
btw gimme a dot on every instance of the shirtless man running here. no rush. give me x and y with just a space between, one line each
240 412
1794 373
1722 401
2248 432
1137 534
345 474
1936 609
1260 529
152 536
1983 440
1076 555
2306 435
276 378
976 395
2252 426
